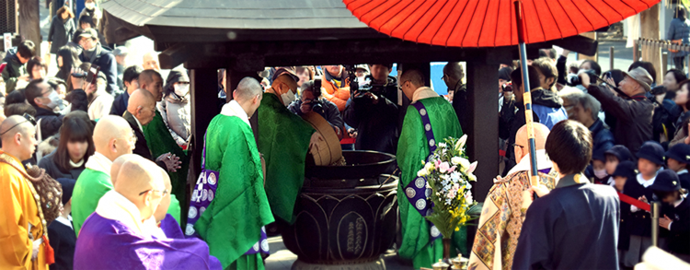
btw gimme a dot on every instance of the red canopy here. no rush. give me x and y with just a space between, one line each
490 23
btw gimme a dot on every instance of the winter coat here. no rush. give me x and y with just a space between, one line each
329 112
633 116
376 124
176 113
13 70
48 163
679 29
106 61
61 32
50 122
602 138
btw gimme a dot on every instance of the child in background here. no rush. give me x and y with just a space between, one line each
63 240
597 170
624 172
650 160
667 188
615 155
677 158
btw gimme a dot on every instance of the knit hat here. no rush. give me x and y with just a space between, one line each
67 188
626 169
666 181
620 152
679 152
652 151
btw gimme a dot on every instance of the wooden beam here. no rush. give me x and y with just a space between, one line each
482 144
204 96
176 55
588 56
650 30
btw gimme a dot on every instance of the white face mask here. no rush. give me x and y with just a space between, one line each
288 97
601 174
54 100
90 5
181 90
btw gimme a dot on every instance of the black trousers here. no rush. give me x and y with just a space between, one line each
679 62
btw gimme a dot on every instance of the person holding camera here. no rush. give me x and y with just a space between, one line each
97 55
311 100
373 111
630 107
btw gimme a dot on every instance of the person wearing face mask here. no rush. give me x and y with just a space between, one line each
99 100
175 107
285 160
90 10
45 100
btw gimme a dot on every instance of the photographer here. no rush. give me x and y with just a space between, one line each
373 111
632 110
311 100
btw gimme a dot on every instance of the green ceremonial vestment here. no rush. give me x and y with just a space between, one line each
232 223
413 148
88 190
284 141
159 141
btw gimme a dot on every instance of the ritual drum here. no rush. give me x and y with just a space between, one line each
324 146
345 215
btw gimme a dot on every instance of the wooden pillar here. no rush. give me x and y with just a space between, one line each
595 57
29 21
650 30
482 145
204 96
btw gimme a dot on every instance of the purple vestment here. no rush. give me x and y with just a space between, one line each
110 244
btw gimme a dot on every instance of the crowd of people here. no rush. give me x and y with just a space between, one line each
116 137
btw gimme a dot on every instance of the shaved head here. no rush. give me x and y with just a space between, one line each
162 209
522 140
141 181
415 76
18 137
142 105
248 88
117 165
113 137
150 80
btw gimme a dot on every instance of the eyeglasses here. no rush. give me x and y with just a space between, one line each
163 191
26 116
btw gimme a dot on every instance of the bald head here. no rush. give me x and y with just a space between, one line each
112 137
150 80
140 181
18 137
247 89
414 76
162 208
142 105
453 72
117 165
150 61
522 140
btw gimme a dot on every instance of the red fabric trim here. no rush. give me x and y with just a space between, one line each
632 201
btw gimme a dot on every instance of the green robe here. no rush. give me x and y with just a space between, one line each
88 190
413 148
159 141
284 141
232 223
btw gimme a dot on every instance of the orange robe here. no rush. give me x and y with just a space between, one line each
19 209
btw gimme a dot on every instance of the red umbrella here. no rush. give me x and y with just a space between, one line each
492 23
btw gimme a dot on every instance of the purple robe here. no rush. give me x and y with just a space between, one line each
110 244
171 229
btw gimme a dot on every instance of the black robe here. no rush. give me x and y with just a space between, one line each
573 227
679 240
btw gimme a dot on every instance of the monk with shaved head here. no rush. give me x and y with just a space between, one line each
20 219
122 232
513 190
112 138
141 110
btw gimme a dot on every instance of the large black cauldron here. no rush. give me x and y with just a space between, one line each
346 214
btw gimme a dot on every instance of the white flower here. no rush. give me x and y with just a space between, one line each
461 143
468 197
422 172
471 177
462 162
442 145
448 201
455 177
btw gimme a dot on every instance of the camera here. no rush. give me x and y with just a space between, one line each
507 87
574 79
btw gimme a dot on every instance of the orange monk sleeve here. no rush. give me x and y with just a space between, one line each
16 247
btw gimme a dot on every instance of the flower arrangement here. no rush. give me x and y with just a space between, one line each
449 173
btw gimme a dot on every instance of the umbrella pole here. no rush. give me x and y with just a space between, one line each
527 97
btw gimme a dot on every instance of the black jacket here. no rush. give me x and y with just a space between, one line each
633 117
48 163
377 125
141 148
679 240
63 240
328 111
60 33
462 109
602 138
13 70
50 122
106 61
120 104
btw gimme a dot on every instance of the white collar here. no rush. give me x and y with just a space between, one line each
645 183
682 171
422 93
677 203
114 206
543 162
141 128
99 162
66 222
76 165
233 108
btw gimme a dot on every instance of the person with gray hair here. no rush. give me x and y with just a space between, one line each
233 170
584 108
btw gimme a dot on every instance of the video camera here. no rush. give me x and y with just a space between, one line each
574 79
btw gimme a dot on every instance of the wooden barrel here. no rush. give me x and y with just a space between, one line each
325 145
